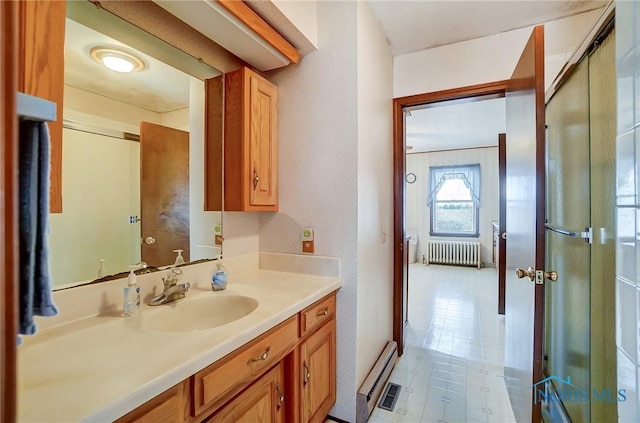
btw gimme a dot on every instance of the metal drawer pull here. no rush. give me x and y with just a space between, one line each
323 312
307 374
280 396
261 357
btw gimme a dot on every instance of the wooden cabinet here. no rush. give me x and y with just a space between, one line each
287 374
168 407
318 354
250 142
262 402
41 73
215 384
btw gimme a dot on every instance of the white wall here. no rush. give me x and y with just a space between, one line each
318 155
101 186
487 59
375 194
417 212
335 154
303 14
100 190
96 184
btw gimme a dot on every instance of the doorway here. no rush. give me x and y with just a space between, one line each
401 271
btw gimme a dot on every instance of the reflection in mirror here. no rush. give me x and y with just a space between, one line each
133 149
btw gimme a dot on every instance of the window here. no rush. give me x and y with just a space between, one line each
454 200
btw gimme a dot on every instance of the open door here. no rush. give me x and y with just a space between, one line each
525 201
164 193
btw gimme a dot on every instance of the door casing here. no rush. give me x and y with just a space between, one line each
471 93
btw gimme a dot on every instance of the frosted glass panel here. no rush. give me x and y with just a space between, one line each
602 83
567 323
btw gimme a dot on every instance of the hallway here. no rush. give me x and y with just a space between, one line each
452 369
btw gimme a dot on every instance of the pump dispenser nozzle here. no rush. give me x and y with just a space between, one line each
179 258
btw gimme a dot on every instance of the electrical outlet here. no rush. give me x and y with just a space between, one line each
307 240
383 234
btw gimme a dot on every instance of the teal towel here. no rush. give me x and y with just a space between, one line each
33 180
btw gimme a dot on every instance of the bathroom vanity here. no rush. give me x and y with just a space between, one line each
275 363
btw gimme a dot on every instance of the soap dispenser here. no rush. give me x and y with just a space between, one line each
131 293
219 277
179 258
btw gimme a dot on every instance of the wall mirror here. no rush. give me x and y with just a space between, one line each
133 167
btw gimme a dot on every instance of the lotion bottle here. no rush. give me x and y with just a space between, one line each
131 294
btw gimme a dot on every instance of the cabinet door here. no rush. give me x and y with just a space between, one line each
263 139
319 373
262 402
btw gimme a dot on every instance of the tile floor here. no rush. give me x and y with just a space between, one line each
452 369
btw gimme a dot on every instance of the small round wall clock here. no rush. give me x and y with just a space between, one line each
411 178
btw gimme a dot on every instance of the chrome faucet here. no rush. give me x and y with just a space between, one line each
172 289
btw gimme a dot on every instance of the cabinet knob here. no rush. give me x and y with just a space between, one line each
280 396
256 179
307 374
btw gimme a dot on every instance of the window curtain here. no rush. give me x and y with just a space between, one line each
470 174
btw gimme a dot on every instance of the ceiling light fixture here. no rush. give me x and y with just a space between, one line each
117 59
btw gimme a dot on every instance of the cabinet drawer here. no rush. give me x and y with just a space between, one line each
167 407
317 314
229 375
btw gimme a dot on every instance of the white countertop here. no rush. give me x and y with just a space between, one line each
101 367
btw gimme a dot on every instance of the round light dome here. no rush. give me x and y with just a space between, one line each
117 60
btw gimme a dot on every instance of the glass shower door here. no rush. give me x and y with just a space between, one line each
567 308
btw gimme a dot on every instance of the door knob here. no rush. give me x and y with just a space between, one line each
149 240
504 235
537 276
530 273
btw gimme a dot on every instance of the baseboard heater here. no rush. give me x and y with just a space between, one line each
457 253
373 385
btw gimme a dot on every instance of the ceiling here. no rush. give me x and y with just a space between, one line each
455 125
159 87
417 25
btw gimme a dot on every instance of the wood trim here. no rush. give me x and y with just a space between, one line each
452 149
399 170
214 104
41 70
251 19
502 221
497 88
8 209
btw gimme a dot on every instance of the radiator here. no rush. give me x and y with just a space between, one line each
457 253
373 385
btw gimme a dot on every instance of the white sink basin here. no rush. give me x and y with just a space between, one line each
198 314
